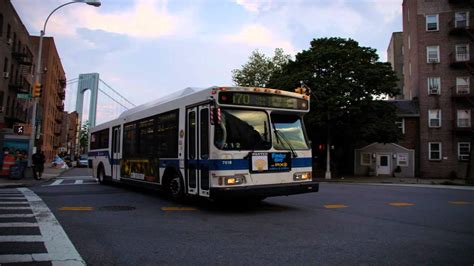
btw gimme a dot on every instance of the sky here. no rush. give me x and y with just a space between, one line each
146 49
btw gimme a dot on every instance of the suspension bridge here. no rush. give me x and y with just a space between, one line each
111 103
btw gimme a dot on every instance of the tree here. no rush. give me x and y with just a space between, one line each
84 137
346 79
259 69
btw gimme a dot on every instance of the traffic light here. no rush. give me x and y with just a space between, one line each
37 90
300 90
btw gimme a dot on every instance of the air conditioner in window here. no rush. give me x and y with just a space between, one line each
432 60
10 41
434 90
6 75
464 157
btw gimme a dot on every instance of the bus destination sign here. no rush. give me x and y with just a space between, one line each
262 100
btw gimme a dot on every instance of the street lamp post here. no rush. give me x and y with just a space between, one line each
38 73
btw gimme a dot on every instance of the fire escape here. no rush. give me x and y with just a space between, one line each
21 80
461 60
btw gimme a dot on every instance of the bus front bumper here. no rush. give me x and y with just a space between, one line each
264 190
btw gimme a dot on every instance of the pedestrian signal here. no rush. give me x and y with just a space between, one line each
37 90
19 130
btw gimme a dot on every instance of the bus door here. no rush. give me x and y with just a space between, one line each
116 153
197 146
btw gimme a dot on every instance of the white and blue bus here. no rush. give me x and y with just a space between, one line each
219 142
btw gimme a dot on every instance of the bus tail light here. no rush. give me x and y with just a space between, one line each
302 176
216 115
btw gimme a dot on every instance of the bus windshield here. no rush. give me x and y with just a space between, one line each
242 130
288 132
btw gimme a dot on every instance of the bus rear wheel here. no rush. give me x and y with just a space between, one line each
175 187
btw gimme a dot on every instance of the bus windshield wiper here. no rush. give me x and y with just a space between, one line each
280 136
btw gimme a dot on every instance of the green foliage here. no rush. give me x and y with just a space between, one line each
259 69
346 80
84 137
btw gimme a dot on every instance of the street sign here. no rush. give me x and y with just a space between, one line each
23 96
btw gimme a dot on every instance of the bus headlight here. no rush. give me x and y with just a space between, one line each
302 176
234 180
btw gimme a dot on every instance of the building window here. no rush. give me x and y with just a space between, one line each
462 85
409 42
434 117
463 118
432 53
432 22
401 125
462 52
461 19
434 85
464 150
402 159
365 159
434 150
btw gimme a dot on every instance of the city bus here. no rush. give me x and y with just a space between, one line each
218 142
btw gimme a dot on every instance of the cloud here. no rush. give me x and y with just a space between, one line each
255 5
259 36
389 9
143 19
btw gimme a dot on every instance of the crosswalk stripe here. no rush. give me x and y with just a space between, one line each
2 198
78 182
12 258
56 182
18 225
13 202
15 208
60 248
17 215
21 238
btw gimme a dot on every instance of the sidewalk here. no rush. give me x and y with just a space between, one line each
48 174
395 180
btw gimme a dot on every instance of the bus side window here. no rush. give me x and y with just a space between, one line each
204 127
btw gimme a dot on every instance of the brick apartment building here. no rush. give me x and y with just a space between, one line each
17 57
438 70
16 77
51 107
69 132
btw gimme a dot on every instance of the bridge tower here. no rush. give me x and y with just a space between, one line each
88 82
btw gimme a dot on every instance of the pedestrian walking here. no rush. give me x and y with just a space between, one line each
38 164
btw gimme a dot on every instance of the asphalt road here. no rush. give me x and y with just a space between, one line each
342 224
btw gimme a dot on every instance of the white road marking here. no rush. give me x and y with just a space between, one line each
13 202
26 258
60 249
2 198
78 177
18 225
21 238
15 208
59 182
17 215
56 182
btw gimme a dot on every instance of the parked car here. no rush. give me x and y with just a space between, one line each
83 161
